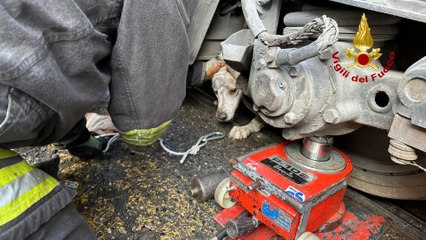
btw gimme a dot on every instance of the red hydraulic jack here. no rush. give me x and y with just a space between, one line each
286 190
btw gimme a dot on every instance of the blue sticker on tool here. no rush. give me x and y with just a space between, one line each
276 215
292 191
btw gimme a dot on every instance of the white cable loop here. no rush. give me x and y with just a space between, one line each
202 141
405 162
115 137
416 165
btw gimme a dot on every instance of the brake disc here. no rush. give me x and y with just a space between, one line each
374 172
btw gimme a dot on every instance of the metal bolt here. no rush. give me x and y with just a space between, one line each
262 63
270 55
290 118
294 71
287 134
194 192
415 90
325 55
255 185
281 85
331 116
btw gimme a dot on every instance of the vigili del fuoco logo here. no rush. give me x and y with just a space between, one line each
362 57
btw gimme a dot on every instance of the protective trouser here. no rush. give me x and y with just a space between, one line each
62 59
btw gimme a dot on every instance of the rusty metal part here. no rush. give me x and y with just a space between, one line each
203 188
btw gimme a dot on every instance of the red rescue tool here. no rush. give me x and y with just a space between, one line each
291 188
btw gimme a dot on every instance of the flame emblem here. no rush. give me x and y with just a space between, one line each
363 41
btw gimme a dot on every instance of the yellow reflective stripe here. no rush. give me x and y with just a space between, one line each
21 185
144 137
26 200
6 153
12 172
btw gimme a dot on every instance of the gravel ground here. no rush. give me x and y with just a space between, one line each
128 195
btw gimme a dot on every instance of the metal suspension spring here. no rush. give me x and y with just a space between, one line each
402 153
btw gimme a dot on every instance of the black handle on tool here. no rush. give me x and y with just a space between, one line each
240 226
222 234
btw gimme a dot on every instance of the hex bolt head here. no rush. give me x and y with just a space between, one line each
325 55
294 71
290 118
270 55
288 134
415 90
262 63
331 116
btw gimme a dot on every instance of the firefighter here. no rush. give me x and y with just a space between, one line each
62 59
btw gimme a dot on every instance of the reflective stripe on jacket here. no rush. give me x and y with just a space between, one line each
28 197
